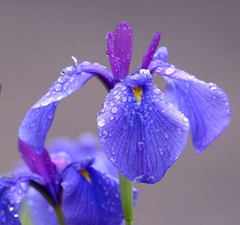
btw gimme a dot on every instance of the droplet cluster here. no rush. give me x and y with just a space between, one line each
10 199
140 139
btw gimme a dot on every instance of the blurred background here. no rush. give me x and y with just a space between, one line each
37 39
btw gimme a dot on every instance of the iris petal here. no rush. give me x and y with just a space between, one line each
65 151
141 138
92 201
40 210
40 164
150 51
37 122
11 195
120 45
38 119
205 104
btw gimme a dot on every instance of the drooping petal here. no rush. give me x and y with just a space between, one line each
205 104
90 197
151 51
141 132
119 49
11 196
38 119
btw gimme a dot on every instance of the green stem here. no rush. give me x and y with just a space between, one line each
58 211
126 198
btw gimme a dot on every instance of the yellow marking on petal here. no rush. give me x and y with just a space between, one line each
86 175
137 91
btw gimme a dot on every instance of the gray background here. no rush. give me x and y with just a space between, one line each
37 39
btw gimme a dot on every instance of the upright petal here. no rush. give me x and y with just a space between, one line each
151 51
90 197
205 104
141 133
41 164
119 49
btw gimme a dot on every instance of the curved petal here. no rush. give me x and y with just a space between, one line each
90 197
119 49
141 133
205 104
151 51
38 119
37 122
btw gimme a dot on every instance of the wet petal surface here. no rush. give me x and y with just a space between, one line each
90 197
119 49
141 133
11 195
205 104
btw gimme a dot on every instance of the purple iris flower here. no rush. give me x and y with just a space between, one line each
142 130
83 183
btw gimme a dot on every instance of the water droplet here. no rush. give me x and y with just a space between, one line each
169 71
141 145
104 133
114 110
66 86
112 160
124 99
115 92
58 87
156 91
101 122
117 97
166 136
11 208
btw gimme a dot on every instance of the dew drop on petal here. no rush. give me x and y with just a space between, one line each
114 110
141 145
101 122
58 87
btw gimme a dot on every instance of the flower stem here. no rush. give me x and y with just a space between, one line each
126 198
58 211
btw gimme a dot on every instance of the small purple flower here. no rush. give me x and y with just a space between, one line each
74 176
142 130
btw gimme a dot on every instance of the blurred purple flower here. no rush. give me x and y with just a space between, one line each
142 130
75 176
